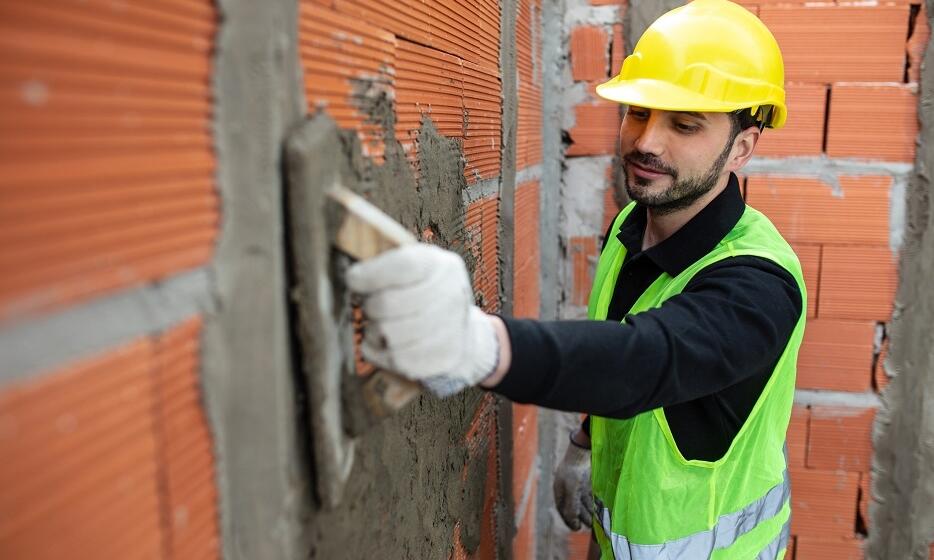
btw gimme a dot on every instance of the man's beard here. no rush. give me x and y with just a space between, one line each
682 192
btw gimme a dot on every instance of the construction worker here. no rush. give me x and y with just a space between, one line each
687 365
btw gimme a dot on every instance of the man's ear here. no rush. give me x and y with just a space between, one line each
743 147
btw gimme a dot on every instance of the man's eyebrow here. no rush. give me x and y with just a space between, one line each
694 114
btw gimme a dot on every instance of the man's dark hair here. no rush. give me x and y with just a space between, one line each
744 118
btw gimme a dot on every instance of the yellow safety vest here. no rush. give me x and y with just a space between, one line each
651 502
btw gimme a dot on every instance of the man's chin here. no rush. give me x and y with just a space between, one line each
647 190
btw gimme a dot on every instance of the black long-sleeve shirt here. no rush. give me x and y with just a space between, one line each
704 355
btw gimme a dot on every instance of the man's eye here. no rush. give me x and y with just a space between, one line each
686 127
641 115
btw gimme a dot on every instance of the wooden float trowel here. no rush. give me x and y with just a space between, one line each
321 213
364 232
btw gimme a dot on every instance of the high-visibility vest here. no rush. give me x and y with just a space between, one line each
651 502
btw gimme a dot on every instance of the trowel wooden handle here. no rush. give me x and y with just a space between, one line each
364 232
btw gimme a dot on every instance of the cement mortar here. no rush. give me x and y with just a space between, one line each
414 476
510 92
902 518
554 68
249 386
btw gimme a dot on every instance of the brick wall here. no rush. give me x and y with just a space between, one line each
107 175
527 267
106 190
441 61
595 51
832 181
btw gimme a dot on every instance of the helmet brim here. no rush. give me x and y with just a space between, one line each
665 96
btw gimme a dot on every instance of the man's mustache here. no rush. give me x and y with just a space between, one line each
650 162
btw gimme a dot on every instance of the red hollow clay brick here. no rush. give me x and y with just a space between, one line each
338 52
917 42
808 210
840 438
578 545
584 253
797 437
525 447
873 122
187 459
528 70
482 224
857 282
815 548
803 133
80 460
818 42
523 544
102 99
809 257
823 503
527 255
617 49
589 50
836 355
595 130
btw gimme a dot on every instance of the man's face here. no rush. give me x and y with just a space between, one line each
673 158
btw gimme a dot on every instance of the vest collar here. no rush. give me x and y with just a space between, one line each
695 239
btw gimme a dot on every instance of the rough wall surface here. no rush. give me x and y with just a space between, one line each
109 210
431 99
834 181
124 329
155 397
903 519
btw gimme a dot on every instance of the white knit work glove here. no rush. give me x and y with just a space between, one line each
573 496
422 322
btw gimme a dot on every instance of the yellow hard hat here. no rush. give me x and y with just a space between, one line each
706 56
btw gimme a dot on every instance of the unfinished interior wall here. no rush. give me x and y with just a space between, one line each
145 297
109 215
834 181
153 400
902 518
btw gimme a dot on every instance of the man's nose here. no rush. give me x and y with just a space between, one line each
651 137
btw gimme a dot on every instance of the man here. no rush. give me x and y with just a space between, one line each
687 365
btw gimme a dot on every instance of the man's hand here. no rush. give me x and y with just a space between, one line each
572 487
422 322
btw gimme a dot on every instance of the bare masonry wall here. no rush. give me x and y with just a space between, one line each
837 181
904 437
157 395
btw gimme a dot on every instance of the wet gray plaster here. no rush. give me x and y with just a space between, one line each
510 92
249 385
35 345
554 68
902 519
532 173
413 476
554 72
812 397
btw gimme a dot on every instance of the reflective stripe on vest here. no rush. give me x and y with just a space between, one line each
778 544
729 527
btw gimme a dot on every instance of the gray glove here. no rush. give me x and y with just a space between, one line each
573 496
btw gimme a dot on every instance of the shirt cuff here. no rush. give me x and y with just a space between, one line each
534 361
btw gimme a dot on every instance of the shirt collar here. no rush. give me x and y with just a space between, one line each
695 239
